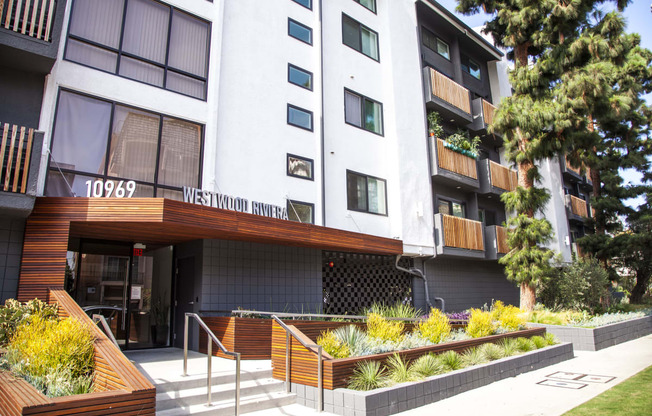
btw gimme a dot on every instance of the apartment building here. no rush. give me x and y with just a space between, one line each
193 155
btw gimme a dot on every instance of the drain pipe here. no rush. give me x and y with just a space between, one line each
418 273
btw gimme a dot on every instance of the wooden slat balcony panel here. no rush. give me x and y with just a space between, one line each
501 240
456 162
450 91
488 111
462 233
578 206
15 156
503 177
31 18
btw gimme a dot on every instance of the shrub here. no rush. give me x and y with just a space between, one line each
397 310
550 338
508 346
451 360
538 341
333 346
368 375
510 318
13 314
383 329
399 370
354 338
525 344
436 328
473 356
427 365
480 324
491 351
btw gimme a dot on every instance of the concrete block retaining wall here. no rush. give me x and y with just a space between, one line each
405 396
594 339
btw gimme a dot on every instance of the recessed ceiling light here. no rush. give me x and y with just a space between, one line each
458 187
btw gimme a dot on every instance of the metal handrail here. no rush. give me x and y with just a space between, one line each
97 318
320 386
315 315
211 338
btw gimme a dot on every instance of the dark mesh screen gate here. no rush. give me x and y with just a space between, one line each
352 282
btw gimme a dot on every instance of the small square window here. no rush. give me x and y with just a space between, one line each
300 77
300 31
300 167
299 117
303 212
363 112
305 3
366 193
369 4
470 67
360 37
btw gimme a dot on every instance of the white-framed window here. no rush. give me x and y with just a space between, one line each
366 193
363 112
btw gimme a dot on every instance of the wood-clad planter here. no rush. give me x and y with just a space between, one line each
119 388
336 372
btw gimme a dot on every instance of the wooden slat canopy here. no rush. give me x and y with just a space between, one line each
160 221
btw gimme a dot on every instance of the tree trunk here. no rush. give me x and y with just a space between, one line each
528 297
642 282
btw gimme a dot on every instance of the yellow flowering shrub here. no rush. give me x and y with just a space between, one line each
333 346
436 328
480 324
386 330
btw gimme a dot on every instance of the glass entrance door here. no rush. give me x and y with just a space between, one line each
130 286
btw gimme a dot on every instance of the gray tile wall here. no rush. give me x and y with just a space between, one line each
261 277
464 283
11 248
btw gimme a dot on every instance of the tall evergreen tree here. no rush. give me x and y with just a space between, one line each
536 34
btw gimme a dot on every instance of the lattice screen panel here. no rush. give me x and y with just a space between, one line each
356 281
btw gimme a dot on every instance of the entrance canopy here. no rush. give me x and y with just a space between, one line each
160 221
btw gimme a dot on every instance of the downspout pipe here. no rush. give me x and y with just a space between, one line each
418 273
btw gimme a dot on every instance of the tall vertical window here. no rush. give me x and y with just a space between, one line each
103 141
363 112
434 43
369 4
142 40
300 31
301 212
300 77
366 193
359 37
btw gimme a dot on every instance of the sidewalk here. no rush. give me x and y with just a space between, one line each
522 396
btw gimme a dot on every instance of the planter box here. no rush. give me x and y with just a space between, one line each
594 339
405 396
336 372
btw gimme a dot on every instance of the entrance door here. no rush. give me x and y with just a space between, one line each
185 295
130 287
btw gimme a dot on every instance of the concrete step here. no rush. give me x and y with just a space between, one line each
255 403
222 392
199 380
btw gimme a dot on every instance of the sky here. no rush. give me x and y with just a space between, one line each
639 20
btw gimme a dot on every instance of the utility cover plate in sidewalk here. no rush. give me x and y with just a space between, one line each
596 379
562 384
563 375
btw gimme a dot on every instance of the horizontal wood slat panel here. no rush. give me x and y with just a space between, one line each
462 233
251 337
456 162
450 91
503 177
501 240
578 206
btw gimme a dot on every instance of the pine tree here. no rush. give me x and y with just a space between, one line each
536 34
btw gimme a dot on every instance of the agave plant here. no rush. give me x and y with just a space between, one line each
473 356
491 351
451 360
550 338
538 341
354 338
368 375
509 347
525 344
427 365
399 370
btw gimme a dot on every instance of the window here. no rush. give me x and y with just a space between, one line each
363 112
299 117
359 37
99 140
435 44
305 3
470 67
369 4
141 40
300 167
366 193
299 31
456 209
487 217
301 212
300 77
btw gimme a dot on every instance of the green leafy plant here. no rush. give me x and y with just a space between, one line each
461 142
509 346
399 370
539 341
397 310
480 324
368 375
451 360
427 365
473 356
491 351
436 328
550 338
381 328
525 344
434 124
333 345
13 314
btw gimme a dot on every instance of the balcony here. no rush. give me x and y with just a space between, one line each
570 172
452 167
496 178
458 236
29 33
495 241
576 208
483 112
20 156
447 97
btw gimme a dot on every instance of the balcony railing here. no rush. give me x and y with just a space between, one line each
488 111
462 233
450 91
501 240
15 157
503 177
29 17
455 162
578 207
